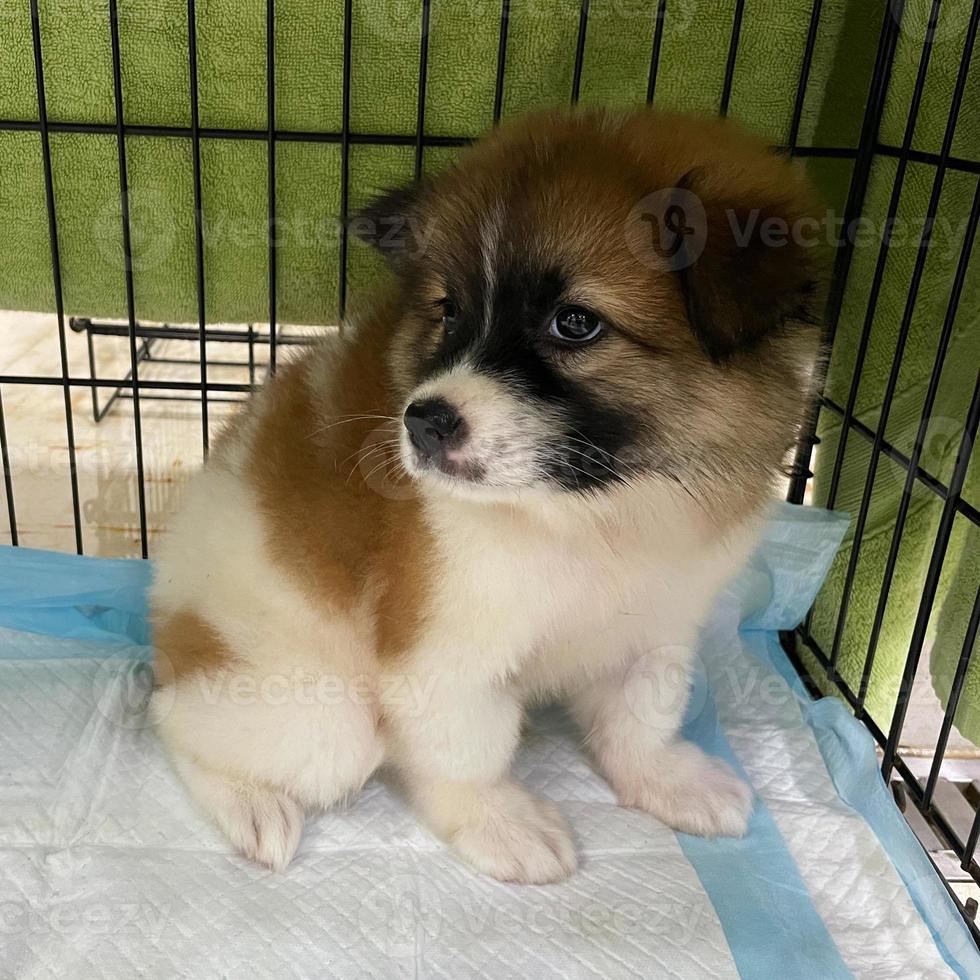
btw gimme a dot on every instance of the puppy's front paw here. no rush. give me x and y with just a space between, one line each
263 823
266 827
691 792
511 835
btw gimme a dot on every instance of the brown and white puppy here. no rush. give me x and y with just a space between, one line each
523 473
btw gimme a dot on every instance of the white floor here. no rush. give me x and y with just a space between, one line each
105 451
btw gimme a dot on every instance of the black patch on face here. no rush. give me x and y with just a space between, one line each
592 452
510 343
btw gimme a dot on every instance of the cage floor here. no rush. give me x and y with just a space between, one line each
101 850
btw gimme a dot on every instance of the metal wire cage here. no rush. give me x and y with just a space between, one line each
819 665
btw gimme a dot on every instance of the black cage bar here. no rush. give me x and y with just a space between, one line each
870 147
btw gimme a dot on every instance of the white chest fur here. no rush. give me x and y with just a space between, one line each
573 589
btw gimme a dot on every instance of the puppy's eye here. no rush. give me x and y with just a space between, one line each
450 315
575 325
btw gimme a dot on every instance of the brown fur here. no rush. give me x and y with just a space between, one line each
565 184
568 182
326 522
185 643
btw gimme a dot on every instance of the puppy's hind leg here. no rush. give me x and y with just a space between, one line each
260 734
263 823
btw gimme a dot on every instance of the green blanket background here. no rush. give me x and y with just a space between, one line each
961 575
384 91
459 101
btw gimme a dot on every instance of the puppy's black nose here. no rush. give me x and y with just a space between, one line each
433 425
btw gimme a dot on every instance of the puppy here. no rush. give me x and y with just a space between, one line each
522 473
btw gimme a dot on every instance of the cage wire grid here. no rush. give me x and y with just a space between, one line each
863 155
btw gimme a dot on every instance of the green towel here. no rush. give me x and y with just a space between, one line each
958 584
951 627
385 60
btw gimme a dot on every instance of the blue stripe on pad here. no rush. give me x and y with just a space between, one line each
849 754
765 909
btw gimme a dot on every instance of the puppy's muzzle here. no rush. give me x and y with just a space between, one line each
434 427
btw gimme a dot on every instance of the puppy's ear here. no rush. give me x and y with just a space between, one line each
390 223
748 262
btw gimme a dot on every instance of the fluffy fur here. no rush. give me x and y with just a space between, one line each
332 598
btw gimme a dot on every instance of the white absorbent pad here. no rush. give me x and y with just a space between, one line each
107 870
